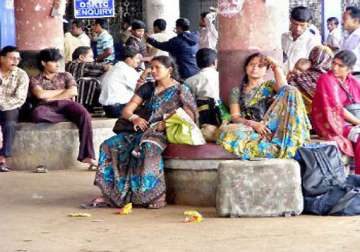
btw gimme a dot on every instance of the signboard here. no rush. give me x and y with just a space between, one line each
94 8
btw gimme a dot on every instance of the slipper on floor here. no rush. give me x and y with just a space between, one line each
40 169
4 168
95 204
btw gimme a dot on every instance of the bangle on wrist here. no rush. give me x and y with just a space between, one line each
132 117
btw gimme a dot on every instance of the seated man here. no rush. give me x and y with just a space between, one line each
84 65
14 84
120 82
54 92
205 85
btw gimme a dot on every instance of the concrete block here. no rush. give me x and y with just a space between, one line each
53 145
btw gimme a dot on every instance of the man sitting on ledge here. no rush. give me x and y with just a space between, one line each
54 91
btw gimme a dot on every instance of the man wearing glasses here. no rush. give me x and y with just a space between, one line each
14 83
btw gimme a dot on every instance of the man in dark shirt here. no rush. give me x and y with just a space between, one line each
84 65
183 48
136 39
54 91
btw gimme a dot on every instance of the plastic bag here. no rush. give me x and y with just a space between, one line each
181 129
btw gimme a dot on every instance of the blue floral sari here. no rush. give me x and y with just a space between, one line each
123 177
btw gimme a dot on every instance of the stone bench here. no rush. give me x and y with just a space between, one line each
54 145
191 172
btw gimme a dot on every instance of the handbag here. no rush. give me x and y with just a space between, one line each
124 125
353 108
181 129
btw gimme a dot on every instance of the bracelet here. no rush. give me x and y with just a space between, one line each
132 117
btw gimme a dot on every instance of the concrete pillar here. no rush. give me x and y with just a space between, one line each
246 26
168 10
36 29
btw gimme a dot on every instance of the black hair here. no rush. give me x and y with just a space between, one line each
78 23
66 27
354 12
333 19
301 14
160 23
48 54
8 49
102 22
204 14
347 57
183 23
249 59
168 62
130 52
137 24
205 57
127 20
81 50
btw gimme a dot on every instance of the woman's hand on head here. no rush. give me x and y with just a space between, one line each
272 62
140 123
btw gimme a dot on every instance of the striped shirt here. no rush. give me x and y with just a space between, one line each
103 42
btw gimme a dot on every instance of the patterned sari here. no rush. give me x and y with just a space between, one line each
328 113
320 58
123 177
285 117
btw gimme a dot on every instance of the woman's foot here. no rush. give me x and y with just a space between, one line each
159 203
93 165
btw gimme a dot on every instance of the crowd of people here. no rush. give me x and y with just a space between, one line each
164 71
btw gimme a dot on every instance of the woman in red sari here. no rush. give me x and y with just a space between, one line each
335 90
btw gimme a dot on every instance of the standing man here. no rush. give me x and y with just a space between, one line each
160 35
14 83
299 41
208 33
351 20
77 30
183 48
136 38
104 42
333 40
54 91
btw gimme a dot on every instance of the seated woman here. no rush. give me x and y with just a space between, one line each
331 120
320 58
124 177
270 115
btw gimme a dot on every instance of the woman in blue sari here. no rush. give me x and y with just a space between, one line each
125 177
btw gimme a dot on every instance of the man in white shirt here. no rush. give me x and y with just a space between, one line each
299 41
160 34
77 30
351 20
205 85
208 33
119 83
333 40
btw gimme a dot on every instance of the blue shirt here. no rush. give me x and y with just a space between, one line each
104 41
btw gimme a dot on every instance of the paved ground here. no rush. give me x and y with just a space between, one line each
34 210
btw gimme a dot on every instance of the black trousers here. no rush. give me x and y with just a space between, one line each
8 120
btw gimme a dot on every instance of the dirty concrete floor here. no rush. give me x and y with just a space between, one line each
34 208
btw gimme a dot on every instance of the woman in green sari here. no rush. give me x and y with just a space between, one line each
270 116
